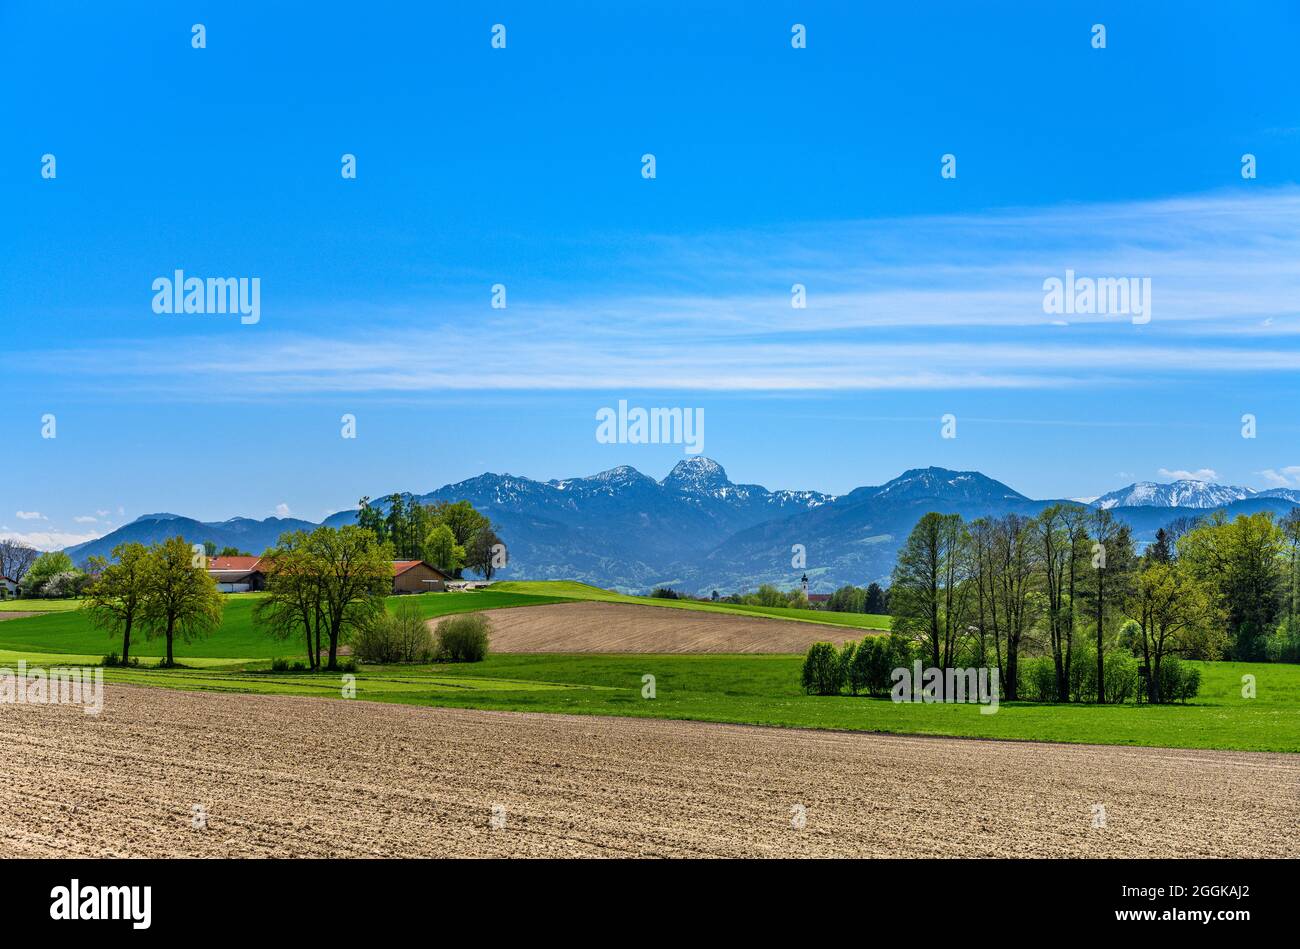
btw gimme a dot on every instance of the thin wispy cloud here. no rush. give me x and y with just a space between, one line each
47 539
1286 477
911 304
1182 474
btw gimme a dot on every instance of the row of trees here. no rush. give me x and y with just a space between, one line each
53 573
450 536
867 667
998 588
157 590
850 599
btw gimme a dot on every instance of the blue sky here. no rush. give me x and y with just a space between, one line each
522 166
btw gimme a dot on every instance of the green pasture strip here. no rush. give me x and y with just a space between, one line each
567 589
763 690
73 632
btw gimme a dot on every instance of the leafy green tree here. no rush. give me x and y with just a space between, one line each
398 525
1242 562
180 598
464 521
115 598
767 595
356 573
229 551
294 604
822 673
875 601
441 550
846 654
1005 606
848 599
371 518
929 597
1112 567
1174 609
46 566
1290 527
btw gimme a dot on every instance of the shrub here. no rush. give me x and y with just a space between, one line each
279 665
346 664
63 584
112 659
847 653
375 640
464 638
399 636
1130 637
1038 679
664 593
1178 682
858 671
1284 644
1083 673
823 674
874 661
1121 673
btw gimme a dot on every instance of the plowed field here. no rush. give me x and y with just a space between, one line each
289 776
622 627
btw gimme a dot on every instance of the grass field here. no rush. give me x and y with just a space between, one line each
749 689
38 606
761 690
71 631
581 591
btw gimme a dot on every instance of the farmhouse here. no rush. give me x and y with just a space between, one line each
416 576
237 574
9 588
247 574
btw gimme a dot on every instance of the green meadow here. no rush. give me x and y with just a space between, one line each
744 689
38 606
70 631
568 589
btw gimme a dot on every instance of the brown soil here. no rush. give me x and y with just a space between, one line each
625 627
291 776
17 614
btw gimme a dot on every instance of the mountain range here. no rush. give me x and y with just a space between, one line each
697 531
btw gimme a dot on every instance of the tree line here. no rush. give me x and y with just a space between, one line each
1069 586
450 536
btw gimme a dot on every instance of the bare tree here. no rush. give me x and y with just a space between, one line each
16 558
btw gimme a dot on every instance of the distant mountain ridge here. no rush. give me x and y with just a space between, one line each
1187 493
697 530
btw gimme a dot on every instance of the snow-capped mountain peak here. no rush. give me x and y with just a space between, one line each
698 475
1182 493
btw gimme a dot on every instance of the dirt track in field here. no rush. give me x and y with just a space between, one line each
15 614
627 627
289 776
